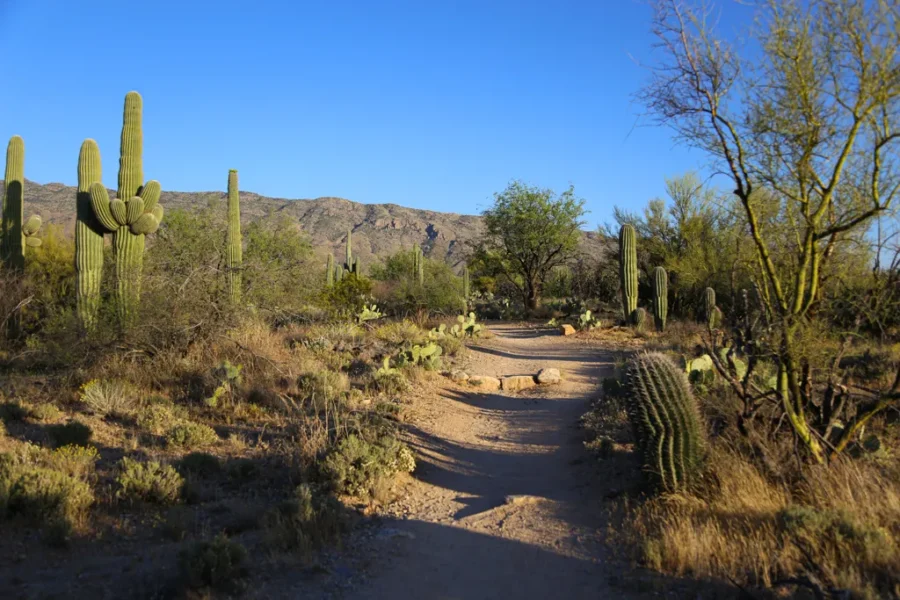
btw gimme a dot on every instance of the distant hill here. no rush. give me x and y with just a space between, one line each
378 229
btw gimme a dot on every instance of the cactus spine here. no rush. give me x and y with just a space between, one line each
235 256
660 297
628 271
88 237
709 307
665 419
133 214
329 270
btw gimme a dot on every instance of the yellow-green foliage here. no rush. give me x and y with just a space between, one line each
41 495
356 466
148 482
188 434
45 412
156 418
108 397
75 461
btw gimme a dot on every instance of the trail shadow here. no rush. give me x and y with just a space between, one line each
562 356
527 333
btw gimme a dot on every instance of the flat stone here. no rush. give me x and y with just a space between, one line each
514 383
459 376
548 376
484 382
567 329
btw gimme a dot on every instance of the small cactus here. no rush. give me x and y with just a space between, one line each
628 271
660 298
666 420
639 318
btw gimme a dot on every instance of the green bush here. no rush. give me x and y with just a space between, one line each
72 433
356 467
75 461
323 386
43 496
45 412
108 397
401 293
304 523
148 482
217 564
188 434
157 418
200 464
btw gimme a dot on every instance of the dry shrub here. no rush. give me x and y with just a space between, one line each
840 523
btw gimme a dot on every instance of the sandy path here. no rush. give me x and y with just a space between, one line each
458 534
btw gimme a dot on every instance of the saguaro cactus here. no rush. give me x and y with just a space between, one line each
133 214
233 242
467 292
88 236
13 251
351 265
709 307
665 419
329 270
628 270
660 297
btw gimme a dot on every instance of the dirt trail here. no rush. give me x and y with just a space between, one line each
505 502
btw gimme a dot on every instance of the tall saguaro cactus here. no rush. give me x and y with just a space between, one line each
233 242
660 297
88 237
628 270
329 270
666 420
351 265
133 214
709 307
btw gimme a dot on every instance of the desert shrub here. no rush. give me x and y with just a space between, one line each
348 296
304 523
71 433
399 333
356 466
200 464
148 482
13 411
189 434
241 469
45 412
323 386
450 345
43 496
156 418
108 397
74 461
400 293
217 564
390 380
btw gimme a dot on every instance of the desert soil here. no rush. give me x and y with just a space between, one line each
506 502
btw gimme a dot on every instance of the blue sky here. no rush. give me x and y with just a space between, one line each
431 104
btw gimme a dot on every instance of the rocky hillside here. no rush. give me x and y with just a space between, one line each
378 229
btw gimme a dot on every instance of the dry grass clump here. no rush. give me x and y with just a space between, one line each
839 526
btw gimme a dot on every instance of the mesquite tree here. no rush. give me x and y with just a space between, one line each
529 231
806 134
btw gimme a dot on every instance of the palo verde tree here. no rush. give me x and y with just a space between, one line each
529 231
805 131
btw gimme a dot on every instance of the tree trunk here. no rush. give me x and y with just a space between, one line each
532 297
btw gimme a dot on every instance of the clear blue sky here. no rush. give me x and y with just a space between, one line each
425 103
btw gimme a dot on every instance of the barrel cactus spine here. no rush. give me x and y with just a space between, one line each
660 298
628 270
132 215
665 419
88 237
234 240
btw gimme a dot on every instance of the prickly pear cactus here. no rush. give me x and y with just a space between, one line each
368 313
666 420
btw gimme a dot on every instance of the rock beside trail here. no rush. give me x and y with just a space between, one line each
515 383
484 382
459 376
567 329
548 376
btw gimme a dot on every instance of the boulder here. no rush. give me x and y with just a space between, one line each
484 382
459 376
514 383
567 329
548 376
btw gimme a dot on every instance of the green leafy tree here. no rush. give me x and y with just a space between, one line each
529 232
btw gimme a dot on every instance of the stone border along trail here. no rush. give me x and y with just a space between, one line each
505 501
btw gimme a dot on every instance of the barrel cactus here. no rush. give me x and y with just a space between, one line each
16 232
628 270
666 420
660 298
639 318
88 237
233 242
133 214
